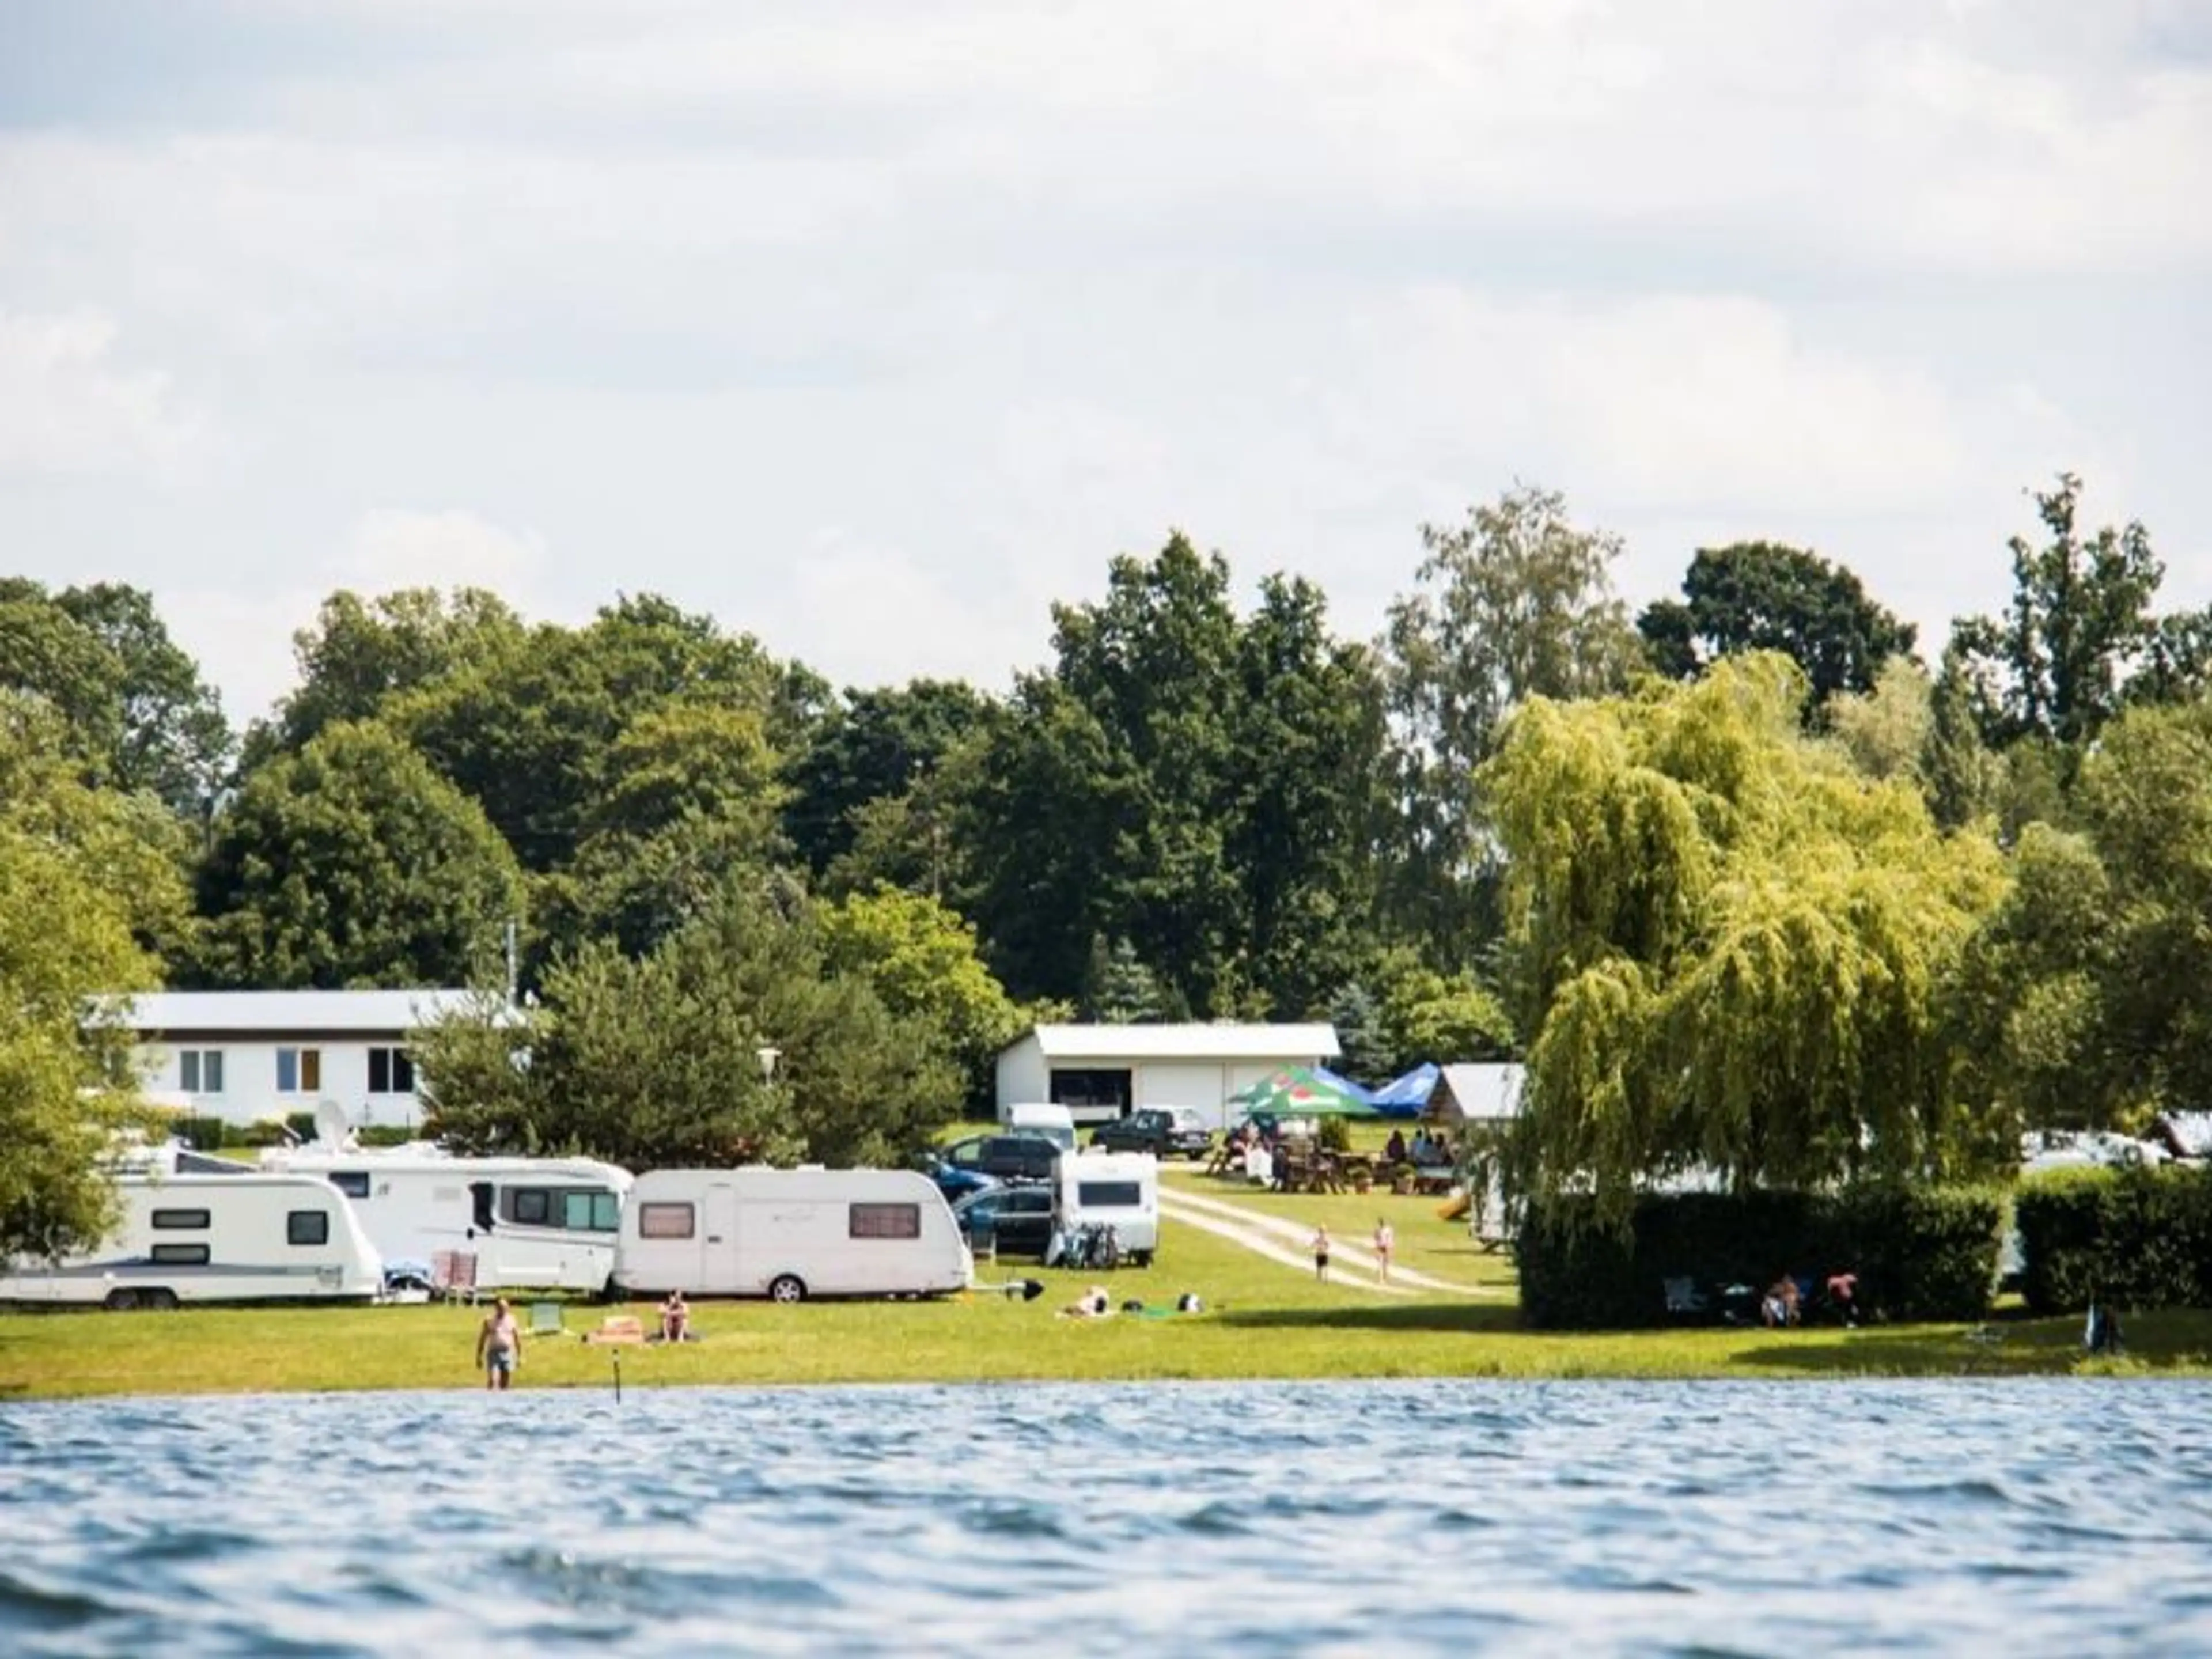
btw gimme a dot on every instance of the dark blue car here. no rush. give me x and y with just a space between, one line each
954 1183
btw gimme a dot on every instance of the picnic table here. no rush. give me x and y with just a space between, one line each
1434 1178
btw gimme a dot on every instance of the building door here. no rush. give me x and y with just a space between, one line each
1092 1095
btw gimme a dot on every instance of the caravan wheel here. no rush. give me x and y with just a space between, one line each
789 1287
160 1299
121 1300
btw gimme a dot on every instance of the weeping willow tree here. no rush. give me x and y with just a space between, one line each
1730 948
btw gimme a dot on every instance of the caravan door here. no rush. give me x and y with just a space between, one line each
718 1238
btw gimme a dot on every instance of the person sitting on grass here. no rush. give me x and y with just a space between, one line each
1093 1304
1780 1306
675 1318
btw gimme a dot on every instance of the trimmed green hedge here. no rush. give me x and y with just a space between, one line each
1919 1255
2133 1238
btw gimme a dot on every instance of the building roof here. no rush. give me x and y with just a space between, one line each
275 1012
1481 1093
1188 1042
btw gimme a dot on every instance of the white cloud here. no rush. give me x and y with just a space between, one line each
391 548
68 409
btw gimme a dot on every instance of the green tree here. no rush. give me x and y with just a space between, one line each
873 746
1729 947
136 708
1765 596
76 883
361 653
1118 990
652 1061
1517 603
2055 665
1886 730
352 863
922 961
1430 1016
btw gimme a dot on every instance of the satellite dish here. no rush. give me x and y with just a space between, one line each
331 1128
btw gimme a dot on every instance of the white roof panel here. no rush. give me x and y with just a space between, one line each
278 1011
1188 1042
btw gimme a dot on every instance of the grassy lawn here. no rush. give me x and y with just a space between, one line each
1262 1320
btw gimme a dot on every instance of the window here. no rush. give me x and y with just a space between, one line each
884 1221
298 1070
528 1206
199 1071
1109 1194
308 1227
664 1221
181 1255
391 1072
354 1183
180 1220
589 1211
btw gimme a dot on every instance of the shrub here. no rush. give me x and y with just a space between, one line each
202 1134
2134 1238
1921 1254
301 1124
1335 1135
385 1134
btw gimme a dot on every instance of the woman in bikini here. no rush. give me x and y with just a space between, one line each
1320 1254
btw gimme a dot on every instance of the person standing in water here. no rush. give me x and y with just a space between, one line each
1320 1254
499 1346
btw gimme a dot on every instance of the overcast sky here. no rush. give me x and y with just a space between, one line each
872 327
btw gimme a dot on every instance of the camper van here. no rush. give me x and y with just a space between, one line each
1120 1190
1054 1122
789 1234
195 1238
534 1223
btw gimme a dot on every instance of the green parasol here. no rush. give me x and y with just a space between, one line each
1299 1091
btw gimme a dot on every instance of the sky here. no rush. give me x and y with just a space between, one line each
873 327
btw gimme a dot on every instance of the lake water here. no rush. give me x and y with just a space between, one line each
2056 1518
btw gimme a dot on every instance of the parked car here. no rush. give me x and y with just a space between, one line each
1162 1131
1019 1219
1009 1157
955 1183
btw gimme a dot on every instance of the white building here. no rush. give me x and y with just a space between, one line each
244 1056
1100 1072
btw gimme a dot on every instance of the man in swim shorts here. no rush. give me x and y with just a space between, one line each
499 1346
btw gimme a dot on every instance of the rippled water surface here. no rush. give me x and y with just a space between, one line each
1351 1518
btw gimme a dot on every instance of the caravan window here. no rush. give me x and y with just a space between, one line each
181 1255
180 1220
308 1227
354 1183
1109 1195
664 1221
532 1206
590 1210
884 1221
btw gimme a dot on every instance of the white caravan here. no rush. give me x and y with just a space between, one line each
534 1223
790 1234
1121 1190
251 1236
1054 1122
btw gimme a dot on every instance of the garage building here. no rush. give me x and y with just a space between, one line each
1102 1071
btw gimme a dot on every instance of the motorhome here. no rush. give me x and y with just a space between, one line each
531 1223
789 1234
187 1235
1121 1190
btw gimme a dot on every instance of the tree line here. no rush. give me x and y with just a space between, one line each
1745 880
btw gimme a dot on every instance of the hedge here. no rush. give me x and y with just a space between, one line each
1927 1254
2131 1238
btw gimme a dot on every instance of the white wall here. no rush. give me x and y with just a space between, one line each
1183 1083
1022 1074
249 1080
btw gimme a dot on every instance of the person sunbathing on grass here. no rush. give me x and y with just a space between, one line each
1093 1304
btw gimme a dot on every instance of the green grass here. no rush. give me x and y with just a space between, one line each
1262 1321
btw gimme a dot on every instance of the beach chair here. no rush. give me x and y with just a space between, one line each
1684 1299
546 1319
454 1275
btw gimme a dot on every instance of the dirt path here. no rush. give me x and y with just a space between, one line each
1288 1242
